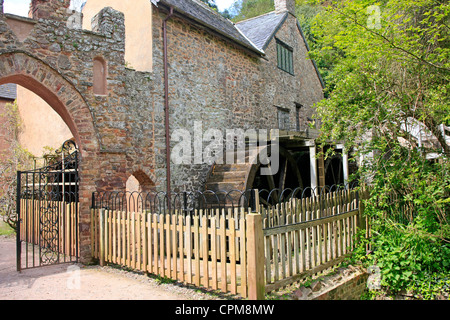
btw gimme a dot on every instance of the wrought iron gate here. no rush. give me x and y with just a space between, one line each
47 211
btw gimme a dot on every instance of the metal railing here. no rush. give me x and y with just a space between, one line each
187 202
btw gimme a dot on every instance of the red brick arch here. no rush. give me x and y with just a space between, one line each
32 73
145 182
59 93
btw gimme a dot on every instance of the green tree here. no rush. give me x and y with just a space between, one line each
386 73
247 9
305 12
211 3
387 76
15 158
226 14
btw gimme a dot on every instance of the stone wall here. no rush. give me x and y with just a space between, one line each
56 63
210 80
122 132
352 289
345 284
281 89
49 9
225 87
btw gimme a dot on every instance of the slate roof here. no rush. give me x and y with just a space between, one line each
8 91
203 15
260 30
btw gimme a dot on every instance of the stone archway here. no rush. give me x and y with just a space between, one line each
37 76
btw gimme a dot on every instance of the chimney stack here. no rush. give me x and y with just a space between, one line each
49 9
285 5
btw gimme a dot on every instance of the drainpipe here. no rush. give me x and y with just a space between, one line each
166 100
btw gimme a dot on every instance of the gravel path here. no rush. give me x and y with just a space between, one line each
78 282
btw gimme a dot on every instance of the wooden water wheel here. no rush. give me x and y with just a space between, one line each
247 176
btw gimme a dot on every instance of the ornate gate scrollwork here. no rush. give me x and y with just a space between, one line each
47 207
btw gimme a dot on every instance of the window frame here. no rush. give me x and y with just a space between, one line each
285 57
286 124
298 116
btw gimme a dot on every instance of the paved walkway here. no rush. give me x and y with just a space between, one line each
77 282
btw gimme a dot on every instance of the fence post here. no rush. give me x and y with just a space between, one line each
18 215
254 200
366 219
255 257
102 237
362 220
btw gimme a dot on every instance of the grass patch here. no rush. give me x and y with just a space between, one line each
5 229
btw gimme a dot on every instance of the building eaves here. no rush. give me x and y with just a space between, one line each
8 91
207 17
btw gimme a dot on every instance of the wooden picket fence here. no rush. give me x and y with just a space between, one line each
303 237
232 250
204 249
64 217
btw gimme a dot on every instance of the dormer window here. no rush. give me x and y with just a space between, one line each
285 57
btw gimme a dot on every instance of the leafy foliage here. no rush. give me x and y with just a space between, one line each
398 72
210 3
15 158
409 215
387 66
247 9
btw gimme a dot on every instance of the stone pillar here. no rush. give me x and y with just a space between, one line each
49 9
313 166
345 165
110 22
344 162
1 7
345 168
75 20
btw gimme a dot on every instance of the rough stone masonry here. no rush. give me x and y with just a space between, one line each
121 133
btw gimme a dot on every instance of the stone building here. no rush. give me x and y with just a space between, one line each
8 94
35 115
223 74
201 70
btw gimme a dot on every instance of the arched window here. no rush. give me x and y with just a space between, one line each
133 185
100 73
136 186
